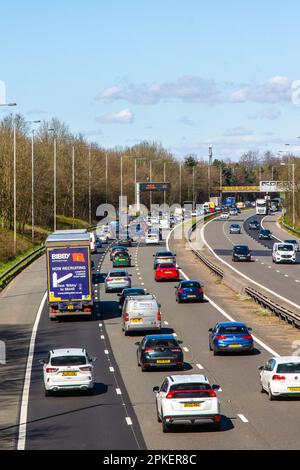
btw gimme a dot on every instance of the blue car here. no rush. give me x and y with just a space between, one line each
189 291
98 243
230 337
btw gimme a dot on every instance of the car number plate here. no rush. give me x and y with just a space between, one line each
69 374
165 361
70 307
136 320
118 280
191 296
294 389
192 405
234 346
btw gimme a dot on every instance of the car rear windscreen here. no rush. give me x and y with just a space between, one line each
289 368
62 361
190 285
241 250
230 330
118 274
285 248
167 265
164 343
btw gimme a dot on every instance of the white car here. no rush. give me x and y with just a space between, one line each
281 377
93 245
224 216
187 399
152 239
68 369
284 253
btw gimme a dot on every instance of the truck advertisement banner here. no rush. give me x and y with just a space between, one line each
69 274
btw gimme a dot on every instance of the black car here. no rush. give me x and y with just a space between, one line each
241 253
125 242
254 225
265 234
159 351
132 291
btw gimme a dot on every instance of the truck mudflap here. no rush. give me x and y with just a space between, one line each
68 309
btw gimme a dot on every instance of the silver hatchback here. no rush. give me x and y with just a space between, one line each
117 280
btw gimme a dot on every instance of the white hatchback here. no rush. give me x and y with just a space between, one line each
187 399
281 377
224 216
152 239
68 369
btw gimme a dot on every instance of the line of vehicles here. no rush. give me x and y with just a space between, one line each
182 398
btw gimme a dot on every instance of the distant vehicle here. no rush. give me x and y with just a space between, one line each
235 228
187 399
167 272
93 244
98 242
189 291
121 260
69 274
280 376
164 257
262 206
230 201
68 369
132 292
293 242
284 253
141 313
265 234
224 216
152 238
104 234
117 280
159 351
241 253
254 225
230 337
117 249
233 211
127 242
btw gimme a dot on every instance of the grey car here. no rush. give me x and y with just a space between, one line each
117 280
235 228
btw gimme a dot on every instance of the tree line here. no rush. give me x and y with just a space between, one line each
188 178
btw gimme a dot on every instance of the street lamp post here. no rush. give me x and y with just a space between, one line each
73 184
32 179
54 179
90 188
293 185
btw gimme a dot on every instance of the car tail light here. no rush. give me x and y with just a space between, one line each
158 316
85 369
247 337
217 418
200 291
221 337
210 392
51 370
148 350
176 350
109 279
87 309
278 377
126 316
53 310
180 291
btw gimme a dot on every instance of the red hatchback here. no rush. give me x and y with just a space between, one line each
167 271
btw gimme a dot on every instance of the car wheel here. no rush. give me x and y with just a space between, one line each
262 390
217 426
165 427
126 333
216 352
158 417
209 345
47 393
143 368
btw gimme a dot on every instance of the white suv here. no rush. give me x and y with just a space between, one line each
187 399
68 369
284 253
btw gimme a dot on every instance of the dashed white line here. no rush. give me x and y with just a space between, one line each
100 325
106 351
111 369
128 421
243 418
118 391
102 336
166 323
186 349
200 366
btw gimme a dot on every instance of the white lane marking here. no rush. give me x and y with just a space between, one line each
243 418
102 336
142 283
277 271
286 275
258 341
128 421
26 387
244 275
106 351
140 278
273 236
166 323
297 280
118 391
270 267
186 349
111 369
200 366
100 325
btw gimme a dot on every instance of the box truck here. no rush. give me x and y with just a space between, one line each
69 274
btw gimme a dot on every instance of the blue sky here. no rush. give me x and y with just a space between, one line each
182 73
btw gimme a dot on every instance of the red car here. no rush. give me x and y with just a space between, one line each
167 271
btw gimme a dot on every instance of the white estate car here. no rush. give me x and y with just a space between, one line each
68 369
224 216
187 399
152 238
281 376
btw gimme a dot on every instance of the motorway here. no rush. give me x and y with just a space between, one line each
122 413
280 278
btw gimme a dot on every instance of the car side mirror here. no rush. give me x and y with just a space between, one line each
137 344
93 359
210 330
261 368
155 389
42 361
216 387
250 329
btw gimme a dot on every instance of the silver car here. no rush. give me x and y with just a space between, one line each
235 228
117 280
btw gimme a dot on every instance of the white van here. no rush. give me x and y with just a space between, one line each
93 245
141 313
284 253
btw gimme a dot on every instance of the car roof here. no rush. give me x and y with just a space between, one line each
158 336
232 323
121 270
236 246
290 240
182 379
142 298
284 359
68 352
190 280
164 253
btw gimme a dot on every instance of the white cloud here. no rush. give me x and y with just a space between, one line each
125 116
275 90
2 92
186 121
271 113
237 132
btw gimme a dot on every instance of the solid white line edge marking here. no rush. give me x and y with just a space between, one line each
26 387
